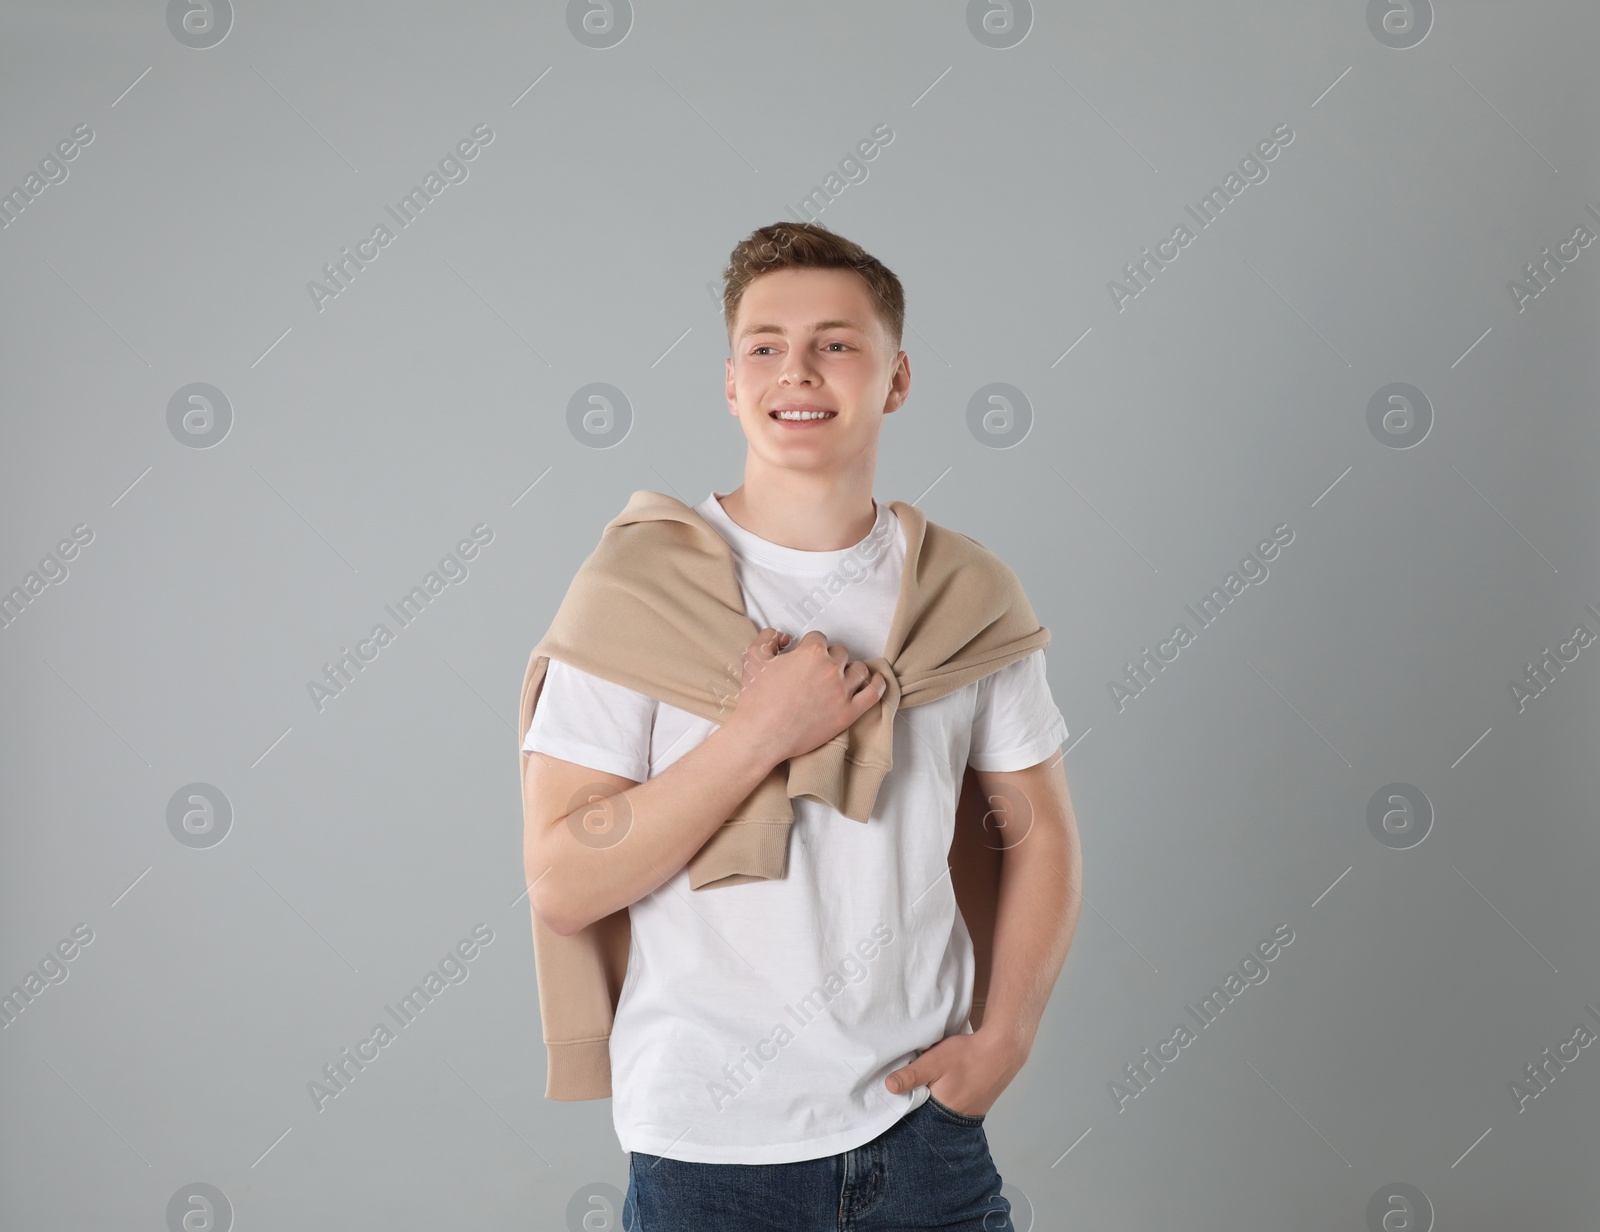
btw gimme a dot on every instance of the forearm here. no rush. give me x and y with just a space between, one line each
1036 914
634 841
1041 887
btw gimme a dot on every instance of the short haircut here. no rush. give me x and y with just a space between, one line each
806 245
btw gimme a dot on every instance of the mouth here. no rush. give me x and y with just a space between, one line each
802 416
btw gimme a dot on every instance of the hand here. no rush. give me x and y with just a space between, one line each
966 1073
796 696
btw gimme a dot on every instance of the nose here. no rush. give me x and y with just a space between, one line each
798 370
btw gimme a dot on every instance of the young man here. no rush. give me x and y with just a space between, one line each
791 1048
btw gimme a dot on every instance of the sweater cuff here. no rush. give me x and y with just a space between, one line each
850 787
578 1070
741 851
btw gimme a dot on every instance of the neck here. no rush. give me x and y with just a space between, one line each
806 512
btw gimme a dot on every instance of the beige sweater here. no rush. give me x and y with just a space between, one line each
657 607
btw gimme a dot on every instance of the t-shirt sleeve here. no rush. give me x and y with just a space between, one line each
1016 723
583 718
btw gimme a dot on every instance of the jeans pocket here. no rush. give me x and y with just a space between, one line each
950 1114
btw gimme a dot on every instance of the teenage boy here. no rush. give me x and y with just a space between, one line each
792 1047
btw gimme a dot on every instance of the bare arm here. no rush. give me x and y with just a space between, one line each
1041 887
594 842
1029 817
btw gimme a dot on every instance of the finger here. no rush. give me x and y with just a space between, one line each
871 695
903 1079
763 648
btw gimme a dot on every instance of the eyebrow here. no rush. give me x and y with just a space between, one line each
818 327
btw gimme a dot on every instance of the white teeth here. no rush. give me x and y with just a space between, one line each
797 415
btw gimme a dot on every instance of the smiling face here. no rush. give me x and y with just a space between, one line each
810 339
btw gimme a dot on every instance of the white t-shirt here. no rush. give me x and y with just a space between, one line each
757 1022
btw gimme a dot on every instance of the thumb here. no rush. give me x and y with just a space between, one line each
904 1079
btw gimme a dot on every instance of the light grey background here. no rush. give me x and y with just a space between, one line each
1166 440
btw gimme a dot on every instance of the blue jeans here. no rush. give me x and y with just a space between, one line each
929 1170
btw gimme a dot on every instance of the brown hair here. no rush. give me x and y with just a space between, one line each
807 245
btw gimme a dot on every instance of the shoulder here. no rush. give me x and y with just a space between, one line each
573 683
970 561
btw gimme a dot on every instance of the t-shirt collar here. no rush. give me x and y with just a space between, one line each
749 546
